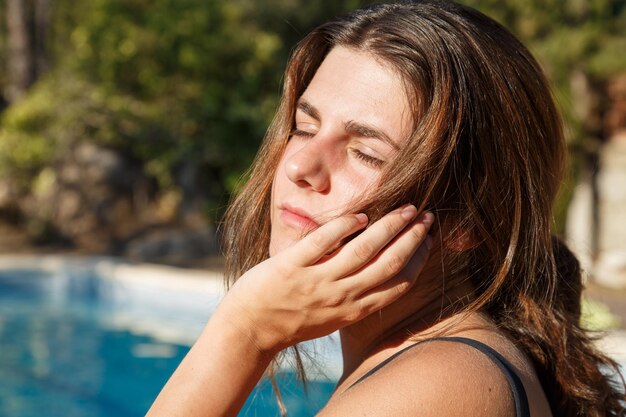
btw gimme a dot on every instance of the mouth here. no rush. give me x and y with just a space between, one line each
297 217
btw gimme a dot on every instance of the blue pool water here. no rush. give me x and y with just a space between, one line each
74 344
61 354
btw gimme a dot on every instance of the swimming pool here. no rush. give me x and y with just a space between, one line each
100 339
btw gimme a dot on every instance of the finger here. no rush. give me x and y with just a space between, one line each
390 262
325 238
367 246
381 296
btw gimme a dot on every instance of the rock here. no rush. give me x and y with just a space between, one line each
98 200
173 246
9 207
101 165
85 196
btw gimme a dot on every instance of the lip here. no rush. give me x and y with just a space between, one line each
297 217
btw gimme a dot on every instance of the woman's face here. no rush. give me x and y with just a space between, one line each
350 122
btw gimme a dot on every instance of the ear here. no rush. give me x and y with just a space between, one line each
460 240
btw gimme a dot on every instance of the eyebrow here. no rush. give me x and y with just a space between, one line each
308 109
352 127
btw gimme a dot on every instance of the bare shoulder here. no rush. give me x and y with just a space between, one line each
437 378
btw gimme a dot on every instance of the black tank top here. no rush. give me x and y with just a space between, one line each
517 388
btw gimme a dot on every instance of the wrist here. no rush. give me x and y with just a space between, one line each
238 329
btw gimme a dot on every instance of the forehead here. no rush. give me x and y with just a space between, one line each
352 85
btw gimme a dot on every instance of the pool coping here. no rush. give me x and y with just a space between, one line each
119 268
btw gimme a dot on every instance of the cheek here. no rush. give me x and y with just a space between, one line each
354 189
279 188
279 183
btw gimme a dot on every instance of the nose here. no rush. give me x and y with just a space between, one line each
308 168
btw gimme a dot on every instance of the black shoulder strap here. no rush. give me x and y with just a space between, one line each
517 388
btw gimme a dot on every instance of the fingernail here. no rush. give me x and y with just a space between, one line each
427 218
361 218
409 212
428 242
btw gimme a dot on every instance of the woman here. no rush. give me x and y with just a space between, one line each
422 106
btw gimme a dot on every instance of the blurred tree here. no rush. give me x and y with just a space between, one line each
185 89
27 25
19 57
42 20
573 40
581 45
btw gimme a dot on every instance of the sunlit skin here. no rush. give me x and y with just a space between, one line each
349 123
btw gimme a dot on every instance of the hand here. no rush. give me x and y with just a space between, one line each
303 293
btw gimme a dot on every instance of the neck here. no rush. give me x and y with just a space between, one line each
419 311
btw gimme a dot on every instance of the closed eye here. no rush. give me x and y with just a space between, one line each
301 133
370 160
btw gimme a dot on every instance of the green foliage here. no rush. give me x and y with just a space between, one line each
24 146
574 37
171 84
186 83
195 69
597 316
577 35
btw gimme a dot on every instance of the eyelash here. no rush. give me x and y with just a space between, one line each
375 162
301 133
368 159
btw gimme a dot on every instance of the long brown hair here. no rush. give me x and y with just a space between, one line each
486 155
